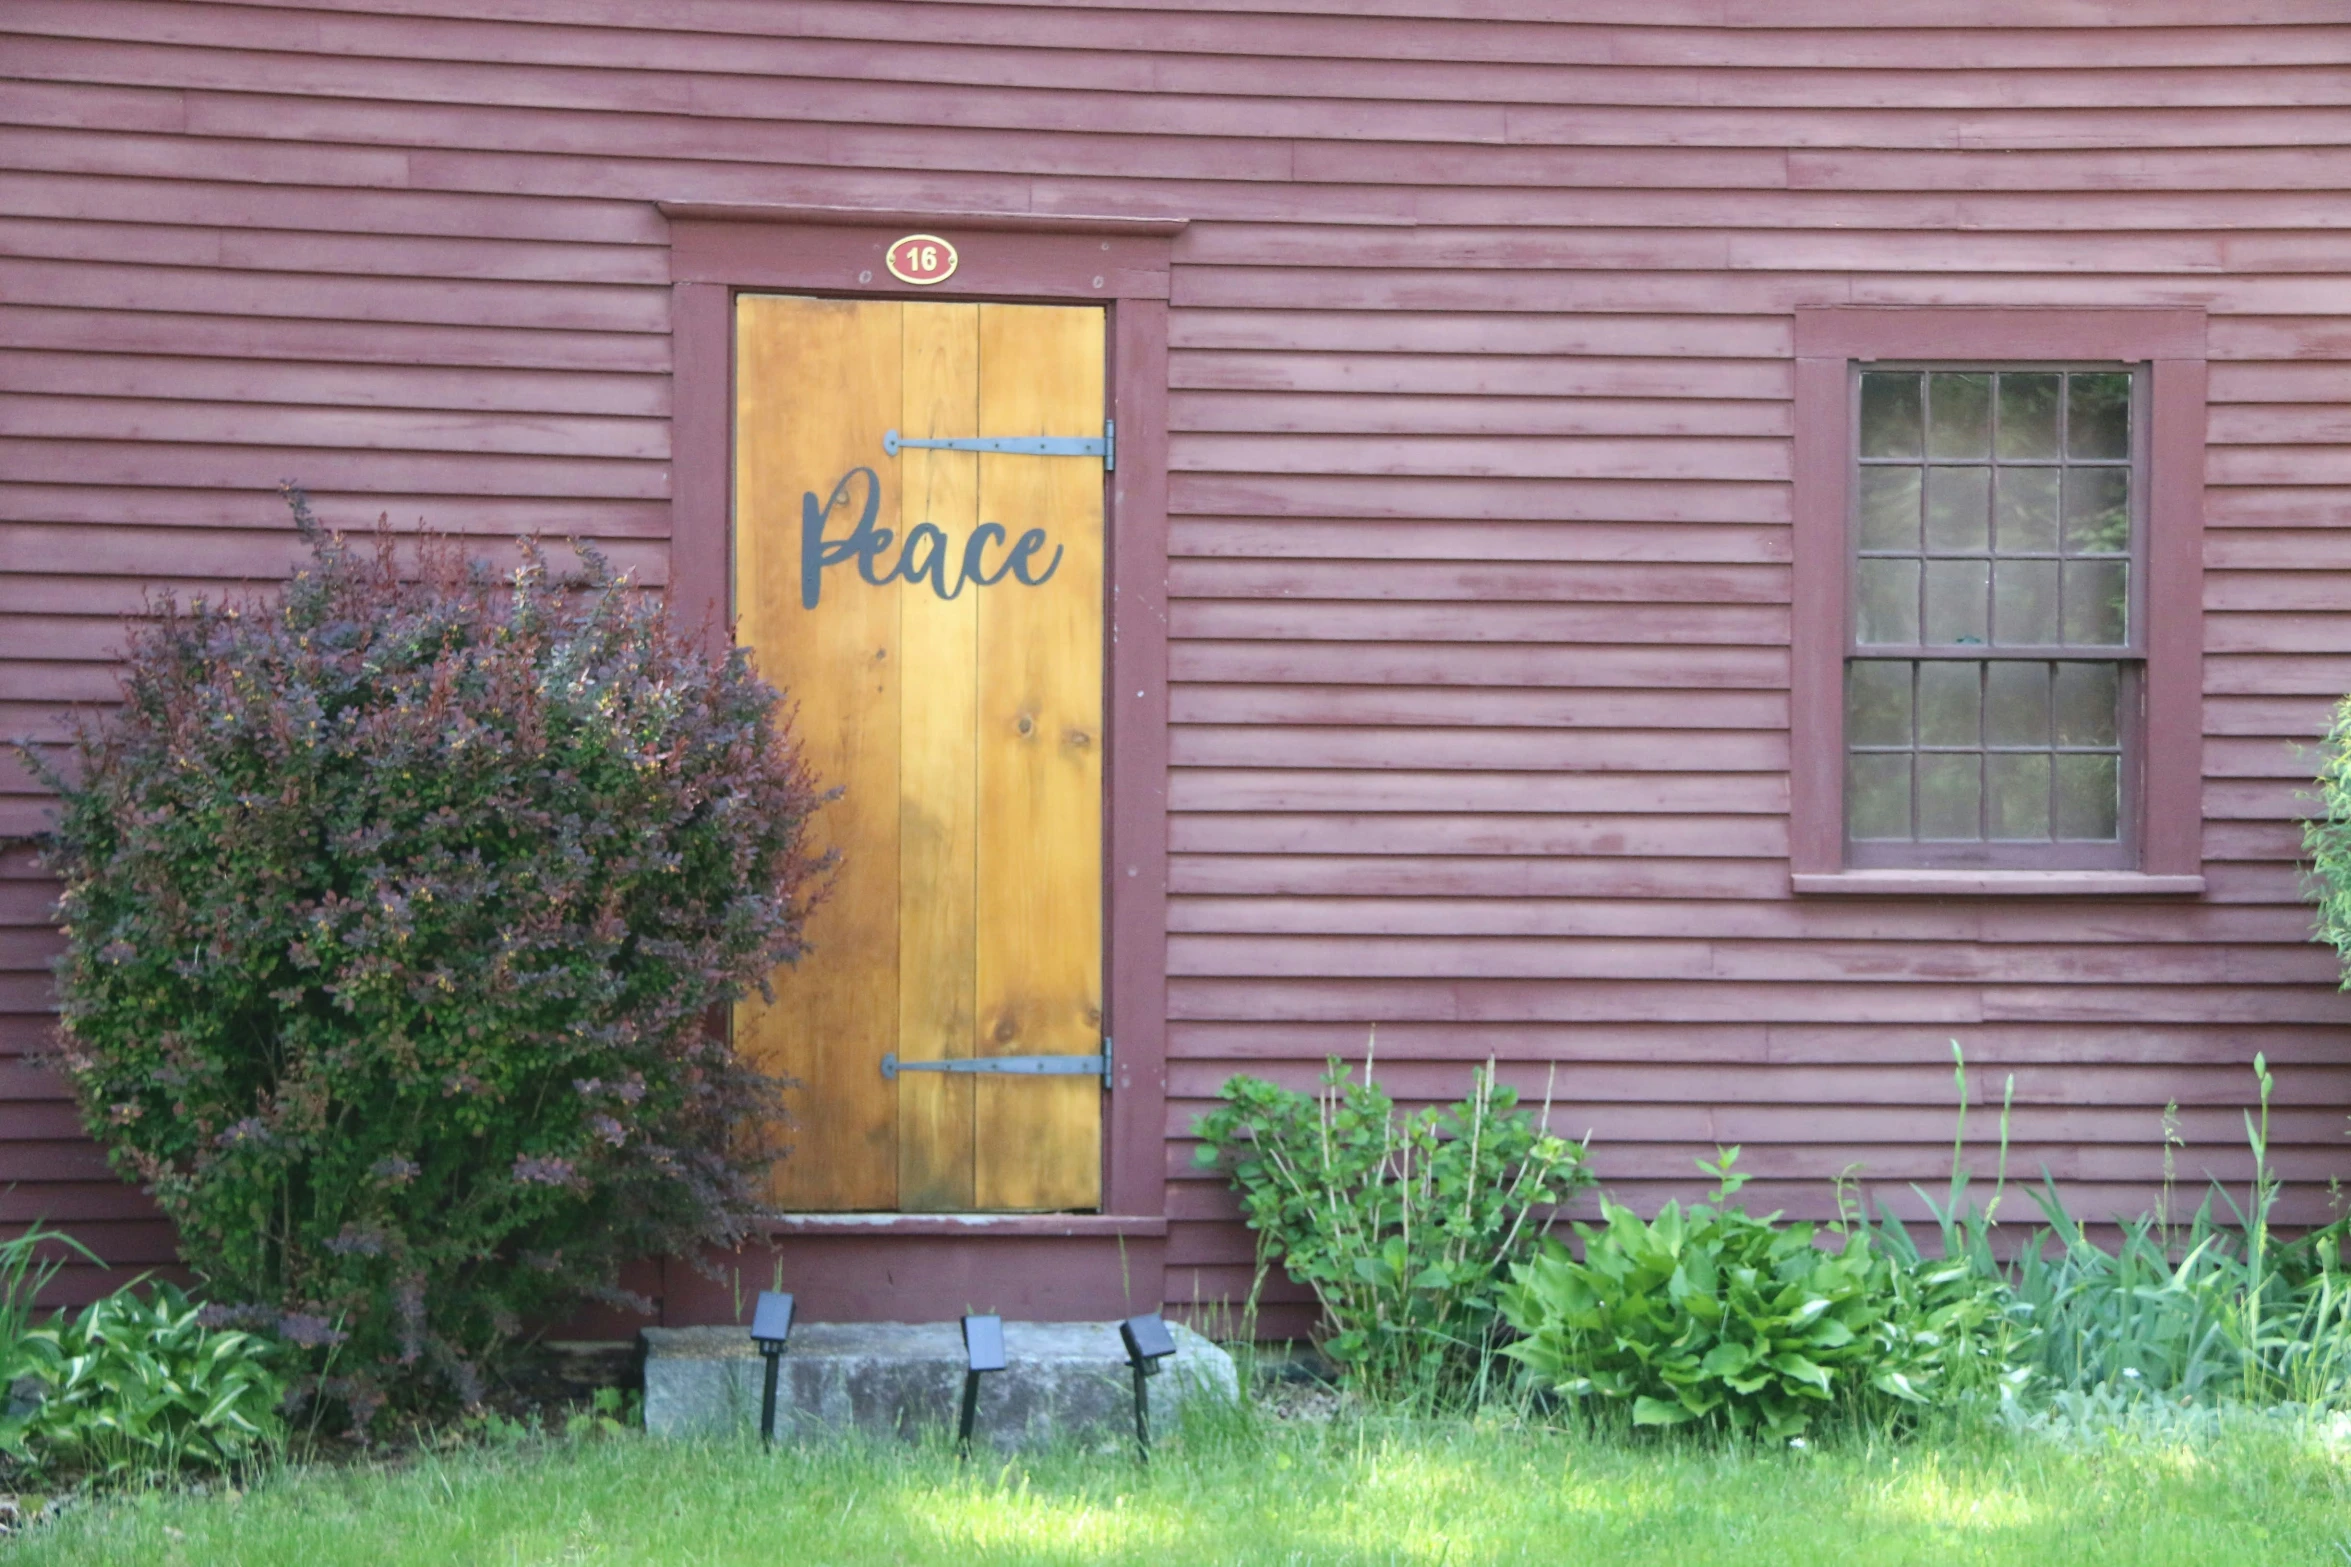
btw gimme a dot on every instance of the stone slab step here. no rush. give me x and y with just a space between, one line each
1061 1381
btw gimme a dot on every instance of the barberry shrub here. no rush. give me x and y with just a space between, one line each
396 907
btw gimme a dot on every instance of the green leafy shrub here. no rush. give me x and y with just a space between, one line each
1402 1227
1715 1316
396 909
141 1386
2327 839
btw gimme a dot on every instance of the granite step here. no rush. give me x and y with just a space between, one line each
1061 1381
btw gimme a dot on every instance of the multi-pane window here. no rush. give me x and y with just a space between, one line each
1992 676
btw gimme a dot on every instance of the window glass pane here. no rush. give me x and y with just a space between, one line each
1959 415
2018 794
2098 415
1877 703
2096 602
2024 602
2016 704
1955 601
2097 511
1950 699
1889 414
1950 796
2028 415
1889 508
2089 797
2027 516
1994 515
1877 795
2085 704
1959 510
1886 596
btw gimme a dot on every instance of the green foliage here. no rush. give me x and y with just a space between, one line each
1401 1226
395 909
609 1412
2215 1309
1994 1350
27 1263
2327 839
1720 1317
136 1387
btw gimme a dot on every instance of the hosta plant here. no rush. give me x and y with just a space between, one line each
140 1385
1403 1226
396 906
1715 1316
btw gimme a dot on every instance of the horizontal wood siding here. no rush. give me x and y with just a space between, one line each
1479 470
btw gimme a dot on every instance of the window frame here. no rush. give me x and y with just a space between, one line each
2165 348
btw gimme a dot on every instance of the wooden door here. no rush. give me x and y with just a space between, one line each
936 618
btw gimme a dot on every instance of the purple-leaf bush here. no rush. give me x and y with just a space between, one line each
397 906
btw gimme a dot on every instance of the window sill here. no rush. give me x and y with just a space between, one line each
1996 884
973 1224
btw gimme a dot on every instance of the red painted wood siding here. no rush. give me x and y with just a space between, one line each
1480 479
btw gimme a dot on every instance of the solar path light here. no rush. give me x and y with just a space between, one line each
1148 1342
771 1324
983 1351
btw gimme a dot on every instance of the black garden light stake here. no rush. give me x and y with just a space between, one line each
771 1324
983 1351
1148 1342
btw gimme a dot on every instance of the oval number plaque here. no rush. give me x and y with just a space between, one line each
921 258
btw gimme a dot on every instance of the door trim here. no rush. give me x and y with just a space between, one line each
1120 264
968 1224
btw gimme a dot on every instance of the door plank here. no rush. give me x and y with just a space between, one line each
937 768
1039 1140
817 382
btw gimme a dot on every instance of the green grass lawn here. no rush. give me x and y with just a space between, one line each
1353 1491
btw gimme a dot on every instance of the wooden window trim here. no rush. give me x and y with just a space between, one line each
1120 263
2171 344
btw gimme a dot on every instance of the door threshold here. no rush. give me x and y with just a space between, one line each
991 1224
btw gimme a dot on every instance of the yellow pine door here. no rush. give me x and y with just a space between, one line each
936 619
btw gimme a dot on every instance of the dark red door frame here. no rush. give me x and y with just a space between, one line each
1121 264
